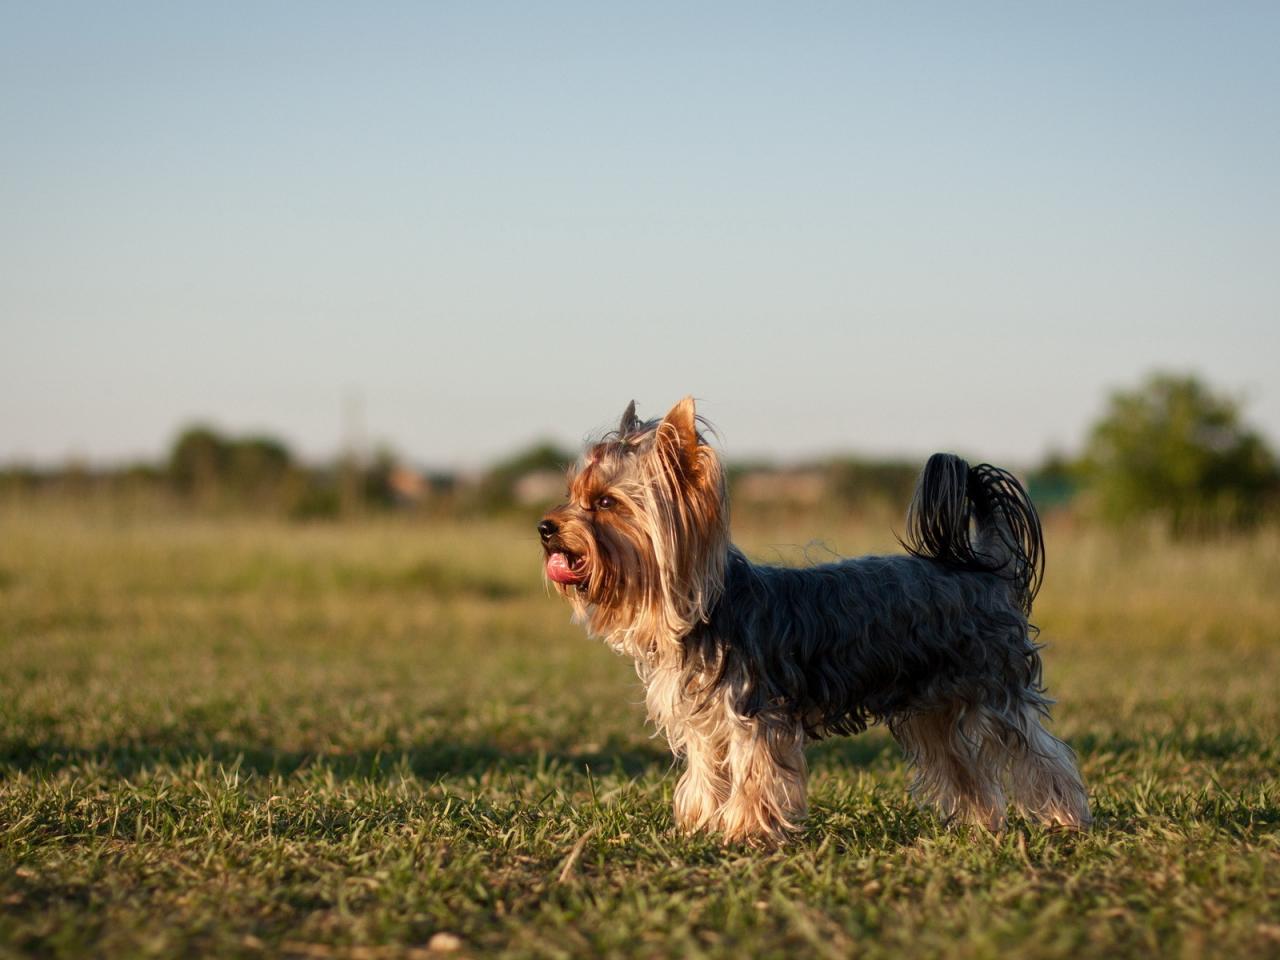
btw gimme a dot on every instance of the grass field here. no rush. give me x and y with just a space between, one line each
249 739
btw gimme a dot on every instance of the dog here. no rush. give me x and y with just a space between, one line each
743 663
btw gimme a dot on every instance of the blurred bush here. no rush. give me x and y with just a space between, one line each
253 471
1054 484
1175 451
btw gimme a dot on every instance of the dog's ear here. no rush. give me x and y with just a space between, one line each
678 435
695 471
629 421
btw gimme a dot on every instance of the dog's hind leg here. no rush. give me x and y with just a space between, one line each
958 752
1043 777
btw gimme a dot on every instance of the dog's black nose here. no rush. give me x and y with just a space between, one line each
547 529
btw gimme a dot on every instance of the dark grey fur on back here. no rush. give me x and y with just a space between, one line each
845 644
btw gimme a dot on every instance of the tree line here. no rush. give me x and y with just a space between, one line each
1171 451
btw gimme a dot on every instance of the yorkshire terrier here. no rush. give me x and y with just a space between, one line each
744 663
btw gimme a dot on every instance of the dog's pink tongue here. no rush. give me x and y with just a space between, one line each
559 569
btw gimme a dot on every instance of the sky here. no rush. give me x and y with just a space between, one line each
455 228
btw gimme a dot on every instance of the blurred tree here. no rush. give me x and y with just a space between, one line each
1055 482
198 461
20 479
1175 449
315 501
257 466
251 471
378 490
858 483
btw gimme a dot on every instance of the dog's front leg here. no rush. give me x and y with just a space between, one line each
704 787
767 796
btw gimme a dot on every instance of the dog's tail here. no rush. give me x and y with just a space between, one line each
977 518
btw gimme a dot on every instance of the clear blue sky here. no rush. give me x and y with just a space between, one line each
886 227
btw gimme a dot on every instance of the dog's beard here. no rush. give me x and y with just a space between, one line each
639 584
612 579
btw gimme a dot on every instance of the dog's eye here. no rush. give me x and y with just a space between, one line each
604 503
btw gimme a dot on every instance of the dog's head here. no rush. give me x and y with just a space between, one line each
644 532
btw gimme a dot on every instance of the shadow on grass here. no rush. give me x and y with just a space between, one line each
1191 745
871 749
1245 814
427 761
430 760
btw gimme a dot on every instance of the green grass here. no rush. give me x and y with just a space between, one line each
248 739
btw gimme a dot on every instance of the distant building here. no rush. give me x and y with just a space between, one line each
804 486
407 486
538 487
